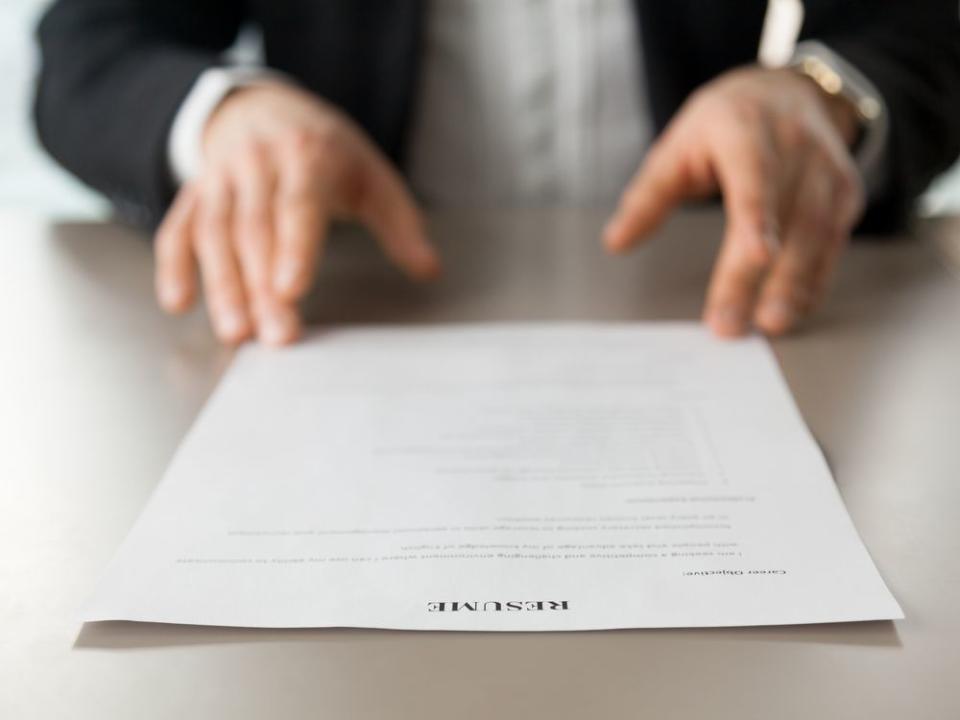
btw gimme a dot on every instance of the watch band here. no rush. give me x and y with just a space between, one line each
837 77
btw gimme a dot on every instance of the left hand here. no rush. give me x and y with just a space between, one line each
777 147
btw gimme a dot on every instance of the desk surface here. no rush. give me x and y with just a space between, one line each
98 388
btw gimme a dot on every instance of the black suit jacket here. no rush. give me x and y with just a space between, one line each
114 73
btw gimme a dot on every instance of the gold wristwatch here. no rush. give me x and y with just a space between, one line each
838 78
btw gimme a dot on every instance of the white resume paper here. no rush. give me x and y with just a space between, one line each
498 477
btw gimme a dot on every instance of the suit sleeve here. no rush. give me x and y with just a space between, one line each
113 74
911 53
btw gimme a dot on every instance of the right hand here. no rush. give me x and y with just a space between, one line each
278 165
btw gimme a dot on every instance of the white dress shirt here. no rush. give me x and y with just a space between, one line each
520 102
528 102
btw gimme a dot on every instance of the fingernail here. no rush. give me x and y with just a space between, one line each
278 329
273 333
232 324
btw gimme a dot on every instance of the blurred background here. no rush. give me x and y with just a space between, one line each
30 182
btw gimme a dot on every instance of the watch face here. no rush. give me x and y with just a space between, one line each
841 82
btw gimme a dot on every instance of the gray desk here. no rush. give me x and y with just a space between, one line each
97 388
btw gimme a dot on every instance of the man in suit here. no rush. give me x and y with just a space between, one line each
247 167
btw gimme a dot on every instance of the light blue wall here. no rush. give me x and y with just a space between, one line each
29 181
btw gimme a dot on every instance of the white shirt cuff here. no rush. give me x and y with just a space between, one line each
185 142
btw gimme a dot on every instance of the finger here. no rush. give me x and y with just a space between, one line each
744 160
667 176
276 320
733 288
388 209
307 176
849 200
222 282
174 280
746 165
794 282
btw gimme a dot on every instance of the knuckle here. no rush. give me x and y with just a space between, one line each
295 193
312 168
250 184
250 241
793 132
205 242
318 145
213 191
738 258
210 224
752 203
207 238
224 286
254 216
330 137
213 178
249 156
297 139
259 286
299 148
217 283
746 112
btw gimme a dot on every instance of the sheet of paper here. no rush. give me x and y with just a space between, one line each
498 477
